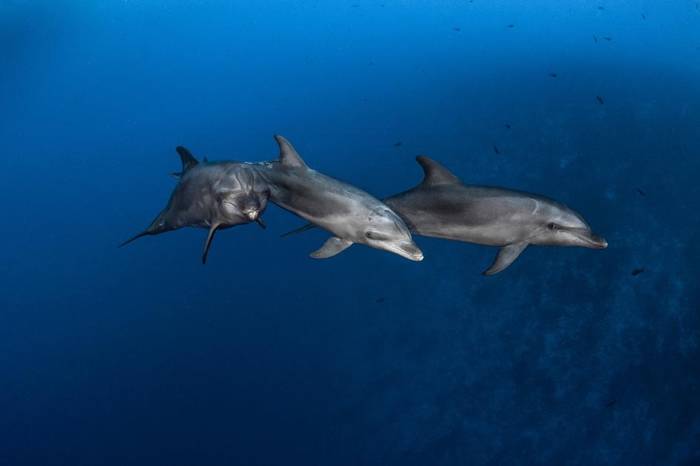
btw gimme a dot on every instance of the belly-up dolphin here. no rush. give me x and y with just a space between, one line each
212 195
443 207
350 214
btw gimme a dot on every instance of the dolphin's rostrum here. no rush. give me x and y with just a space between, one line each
214 195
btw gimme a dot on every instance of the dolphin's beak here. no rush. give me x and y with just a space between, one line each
410 251
599 242
591 240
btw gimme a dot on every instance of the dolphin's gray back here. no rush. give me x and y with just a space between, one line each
333 205
479 214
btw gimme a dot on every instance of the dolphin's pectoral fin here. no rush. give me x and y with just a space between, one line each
135 237
301 229
207 244
505 257
331 247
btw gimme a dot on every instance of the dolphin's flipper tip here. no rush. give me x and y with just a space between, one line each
207 243
133 238
301 229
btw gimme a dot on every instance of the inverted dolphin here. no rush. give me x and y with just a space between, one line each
441 206
212 195
350 214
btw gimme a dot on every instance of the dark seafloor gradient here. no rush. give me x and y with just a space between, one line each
142 356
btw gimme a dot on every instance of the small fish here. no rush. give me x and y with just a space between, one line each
641 192
508 126
511 26
456 29
495 149
644 16
601 7
638 271
398 144
595 39
380 300
611 403
608 38
600 100
553 75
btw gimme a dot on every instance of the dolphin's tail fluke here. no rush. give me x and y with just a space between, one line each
301 229
135 237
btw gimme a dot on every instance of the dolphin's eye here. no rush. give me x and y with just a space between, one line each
375 236
553 226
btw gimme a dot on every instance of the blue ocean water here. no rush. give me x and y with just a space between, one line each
264 356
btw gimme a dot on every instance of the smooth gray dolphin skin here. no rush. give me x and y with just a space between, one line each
212 195
443 207
350 214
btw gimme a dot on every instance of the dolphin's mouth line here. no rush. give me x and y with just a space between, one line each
410 252
591 240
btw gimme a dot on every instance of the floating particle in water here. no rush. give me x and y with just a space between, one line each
456 29
495 149
398 144
508 126
641 192
380 300
600 100
638 271
553 75
511 26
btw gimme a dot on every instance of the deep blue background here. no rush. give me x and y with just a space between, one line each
143 356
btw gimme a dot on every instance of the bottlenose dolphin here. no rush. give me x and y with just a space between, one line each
350 214
213 195
441 206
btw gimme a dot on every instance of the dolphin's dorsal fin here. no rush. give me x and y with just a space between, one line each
435 174
188 160
288 156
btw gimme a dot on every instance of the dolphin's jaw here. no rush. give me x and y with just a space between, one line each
583 238
406 250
